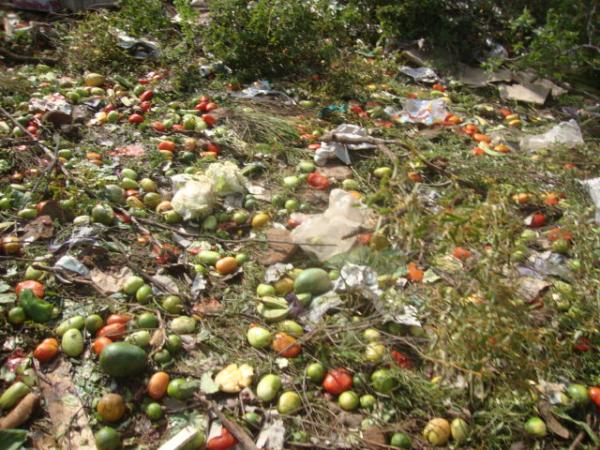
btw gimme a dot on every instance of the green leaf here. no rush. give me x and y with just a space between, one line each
12 439
207 385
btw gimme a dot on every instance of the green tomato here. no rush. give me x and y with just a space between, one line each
315 372
367 401
383 381
536 427
154 411
348 400
400 440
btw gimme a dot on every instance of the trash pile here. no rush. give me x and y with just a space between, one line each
411 269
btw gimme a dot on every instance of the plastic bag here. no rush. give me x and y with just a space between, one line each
195 199
326 234
593 186
565 133
427 112
333 149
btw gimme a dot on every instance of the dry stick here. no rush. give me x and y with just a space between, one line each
238 432
27 59
48 169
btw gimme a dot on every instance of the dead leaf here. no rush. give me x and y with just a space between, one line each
69 420
111 281
530 93
338 172
280 251
39 228
553 425
375 437
207 307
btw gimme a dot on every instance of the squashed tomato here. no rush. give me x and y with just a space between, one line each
286 345
337 381
318 181
35 286
401 359
113 331
222 442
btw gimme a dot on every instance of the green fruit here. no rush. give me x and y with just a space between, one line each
350 185
536 427
154 411
72 342
292 328
152 199
367 401
132 284
382 172
459 430
314 281
371 335
289 402
400 440
181 389
305 299
265 290
147 320
103 214
93 323
139 338
112 117
208 257
291 205
172 304
579 394
291 181
189 122
77 322
34 274
16 315
129 183
196 443
560 246
173 343
242 258
27 213
267 387
129 173
172 217
143 294
315 372
121 359
162 356
259 337
278 201
115 193
148 185
252 418
241 217
382 381
13 394
375 351
306 166
437 431
348 400
183 325
107 438
210 223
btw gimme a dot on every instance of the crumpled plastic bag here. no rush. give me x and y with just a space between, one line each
195 199
565 133
427 112
333 149
424 74
593 186
195 195
326 234
262 88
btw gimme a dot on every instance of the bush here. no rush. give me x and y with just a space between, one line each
268 38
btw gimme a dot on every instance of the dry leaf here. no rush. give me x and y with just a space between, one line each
111 281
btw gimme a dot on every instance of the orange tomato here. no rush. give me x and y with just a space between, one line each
502 148
211 147
415 177
146 96
209 119
100 343
46 350
159 126
111 407
594 393
167 145
461 253
477 151
157 385
505 112
113 331
415 274
286 345
35 286
482 138
470 129
226 265
93 155
211 106
135 118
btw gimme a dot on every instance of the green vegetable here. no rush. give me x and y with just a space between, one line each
35 308
13 395
121 359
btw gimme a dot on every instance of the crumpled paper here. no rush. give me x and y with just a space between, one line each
332 149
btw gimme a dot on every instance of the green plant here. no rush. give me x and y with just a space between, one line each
188 17
267 38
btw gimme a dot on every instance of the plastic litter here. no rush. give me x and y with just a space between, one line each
326 235
426 112
139 48
423 74
262 88
567 134
593 186
358 279
525 92
333 149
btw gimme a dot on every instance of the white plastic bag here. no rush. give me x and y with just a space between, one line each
427 112
565 133
325 234
195 199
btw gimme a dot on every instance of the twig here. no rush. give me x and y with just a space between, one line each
48 169
27 59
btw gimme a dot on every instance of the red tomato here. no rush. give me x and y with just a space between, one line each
201 107
146 106
100 343
113 331
146 96
337 381
135 118
594 393
505 112
356 109
438 87
286 345
125 218
222 442
415 274
209 119
32 129
35 286
46 351
159 126
110 107
582 345
178 127
211 147
314 147
477 151
364 238
204 99
143 81
318 181
118 318
167 145
401 359
211 106
537 220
